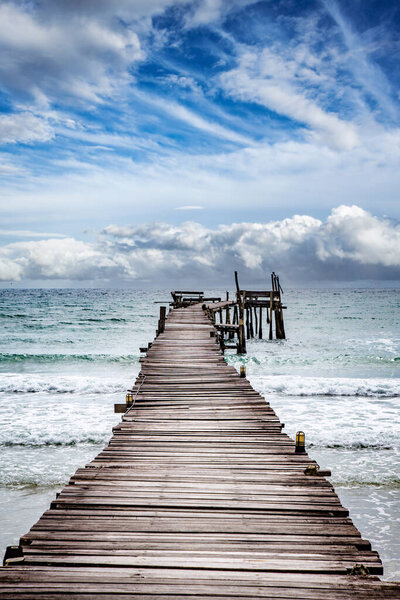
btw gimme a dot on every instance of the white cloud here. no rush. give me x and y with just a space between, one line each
353 234
182 81
30 234
189 207
10 270
178 111
49 55
204 12
268 79
350 244
24 127
125 9
8 167
257 182
61 259
367 73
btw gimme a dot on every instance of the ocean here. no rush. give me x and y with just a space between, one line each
66 356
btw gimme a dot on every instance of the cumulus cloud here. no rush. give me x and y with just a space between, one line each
351 244
353 234
56 259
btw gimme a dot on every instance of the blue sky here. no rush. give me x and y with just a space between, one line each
128 126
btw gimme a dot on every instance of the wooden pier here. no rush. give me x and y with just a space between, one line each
199 494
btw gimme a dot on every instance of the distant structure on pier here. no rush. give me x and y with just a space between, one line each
240 318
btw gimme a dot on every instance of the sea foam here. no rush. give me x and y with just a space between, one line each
328 386
18 383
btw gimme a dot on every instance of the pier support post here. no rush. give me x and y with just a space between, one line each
279 329
279 326
228 311
161 320
241 332
251 322
270 316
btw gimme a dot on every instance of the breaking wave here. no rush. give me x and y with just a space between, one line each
325 386
15 383
55 441
12 358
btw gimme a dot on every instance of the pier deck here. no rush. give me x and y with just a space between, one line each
199 494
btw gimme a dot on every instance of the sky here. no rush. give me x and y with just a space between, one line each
170 142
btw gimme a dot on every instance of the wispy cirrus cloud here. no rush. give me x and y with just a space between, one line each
190 207
194 120
268 78
358 58
26 233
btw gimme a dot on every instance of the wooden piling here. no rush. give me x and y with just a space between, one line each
282 325
270 317
235 315
279 327
227 313
251 328
241 332
161 320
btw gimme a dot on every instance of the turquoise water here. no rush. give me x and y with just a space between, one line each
67 355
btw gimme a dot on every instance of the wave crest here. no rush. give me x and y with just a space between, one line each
13 383
8 357
54 442
287 385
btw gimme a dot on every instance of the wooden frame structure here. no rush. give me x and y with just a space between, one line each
246 320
